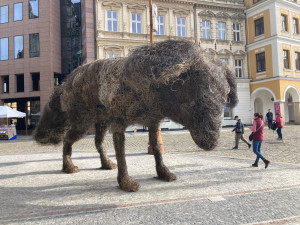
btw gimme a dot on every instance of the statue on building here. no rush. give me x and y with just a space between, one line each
173 79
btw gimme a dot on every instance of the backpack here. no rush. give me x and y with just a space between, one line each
273 125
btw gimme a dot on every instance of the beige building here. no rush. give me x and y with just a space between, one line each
217 26
123 25
30 55
221 31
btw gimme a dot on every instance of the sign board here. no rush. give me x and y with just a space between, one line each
277 107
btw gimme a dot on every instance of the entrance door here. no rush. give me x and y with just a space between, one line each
258 106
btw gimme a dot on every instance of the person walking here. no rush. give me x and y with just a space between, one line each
258 137
239 131
269 116
279 123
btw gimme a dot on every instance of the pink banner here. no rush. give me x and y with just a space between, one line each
277 107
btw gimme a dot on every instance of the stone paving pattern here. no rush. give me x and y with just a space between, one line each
287 151
215 187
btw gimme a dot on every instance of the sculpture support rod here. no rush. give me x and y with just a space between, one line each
151 23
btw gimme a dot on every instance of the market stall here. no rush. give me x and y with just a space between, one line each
8 132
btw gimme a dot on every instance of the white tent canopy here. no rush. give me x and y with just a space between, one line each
7 112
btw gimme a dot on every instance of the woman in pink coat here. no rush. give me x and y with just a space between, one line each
258 137
279 123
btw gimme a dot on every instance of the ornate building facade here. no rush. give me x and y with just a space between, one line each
124 25
274 56
217 26
221 31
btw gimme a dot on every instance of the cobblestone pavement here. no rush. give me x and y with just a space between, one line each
210 190
287 151
218 187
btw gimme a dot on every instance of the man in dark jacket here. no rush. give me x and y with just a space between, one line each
239 131
269 116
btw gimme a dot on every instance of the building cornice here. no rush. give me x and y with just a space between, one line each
274 79
274 38
286 3
221 6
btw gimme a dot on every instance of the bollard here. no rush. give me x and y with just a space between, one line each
160 144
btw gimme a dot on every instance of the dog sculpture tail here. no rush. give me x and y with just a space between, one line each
53 122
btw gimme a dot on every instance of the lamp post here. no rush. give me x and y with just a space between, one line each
159 139
151 23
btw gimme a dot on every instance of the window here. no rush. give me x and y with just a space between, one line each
136 22
224 60
256 1
58 79
227 113
259 26
34 45
206 29
3 49
4 14
19 50
20 83
113 55
5 84
18 11
112 21
238 68
181 30
286 63
284 22
237 32
296 26
297 60
35 81
221 31
260 62
160 25
33 9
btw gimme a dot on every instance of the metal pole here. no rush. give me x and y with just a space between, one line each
151 23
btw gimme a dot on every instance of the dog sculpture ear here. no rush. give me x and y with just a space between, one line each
172 74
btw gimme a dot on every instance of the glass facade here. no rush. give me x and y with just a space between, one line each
18 11
4 14
35 81
34 45
20 82
3 48
33 9
19 47
5 84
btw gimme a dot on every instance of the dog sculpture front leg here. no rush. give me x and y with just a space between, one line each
126 182
163 172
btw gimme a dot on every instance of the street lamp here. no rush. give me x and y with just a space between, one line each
153 16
